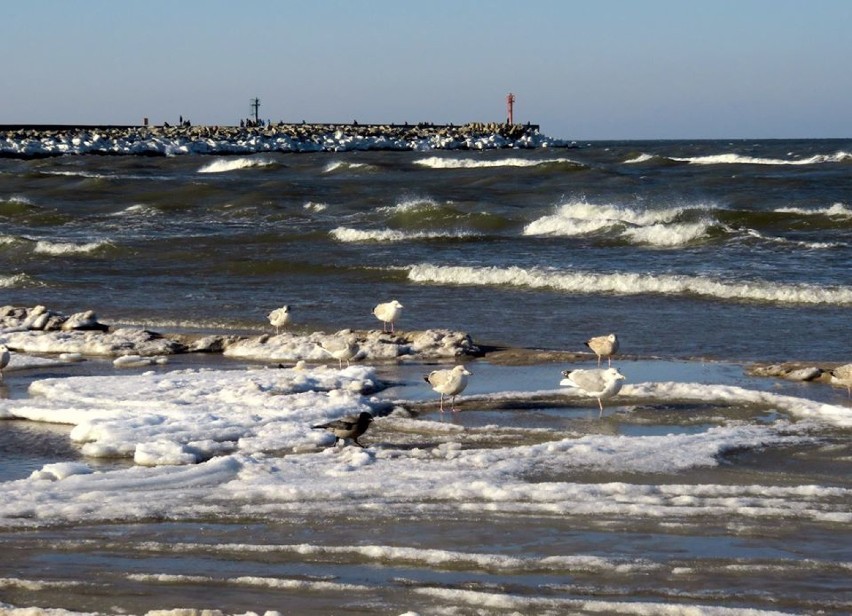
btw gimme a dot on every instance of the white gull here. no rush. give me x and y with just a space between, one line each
387 313
279 318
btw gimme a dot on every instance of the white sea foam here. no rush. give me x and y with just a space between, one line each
411 204
656 227
641 158
139 209
18 281
437 162
340 165
739 159
21 199
313 206
420 556
754 233
548 605
251 581
632 284
75 173
68 248
234 164
838 210
343 234
668 235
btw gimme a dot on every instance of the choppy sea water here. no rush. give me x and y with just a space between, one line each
698 489
748 242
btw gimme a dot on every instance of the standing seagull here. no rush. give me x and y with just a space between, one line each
341 348
596 383
842 375
4 358
448 382
348 427
279 318
603 346
388 313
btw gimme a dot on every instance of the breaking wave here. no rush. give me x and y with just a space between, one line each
139 209
753 233
668 235
68 248
234 164
19 281
437 162
738 159
339 166
661 227
838 210
313 206
731 158
632 284
343 234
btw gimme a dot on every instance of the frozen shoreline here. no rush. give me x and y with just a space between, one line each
226 444
71 338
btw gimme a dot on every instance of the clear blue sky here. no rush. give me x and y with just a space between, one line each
587 69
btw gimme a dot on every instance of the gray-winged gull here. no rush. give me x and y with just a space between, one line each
449 382
595 383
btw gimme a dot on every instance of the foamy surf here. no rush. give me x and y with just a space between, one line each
781 241
739 159
58 249
341 166
437 162
343 234
412 204
139 209
654 227
16 281
234 164
632 284
837 210
663 236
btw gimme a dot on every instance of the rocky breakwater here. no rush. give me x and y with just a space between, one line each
34 142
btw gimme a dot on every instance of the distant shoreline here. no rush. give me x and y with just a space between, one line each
44 140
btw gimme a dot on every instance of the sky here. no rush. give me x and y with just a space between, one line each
585 70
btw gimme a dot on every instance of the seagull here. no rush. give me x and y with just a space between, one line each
448 382
279 318
604 346
387 313
4 358
341 348
842 375
596 383
348 427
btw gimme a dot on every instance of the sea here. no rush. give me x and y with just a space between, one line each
700 489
